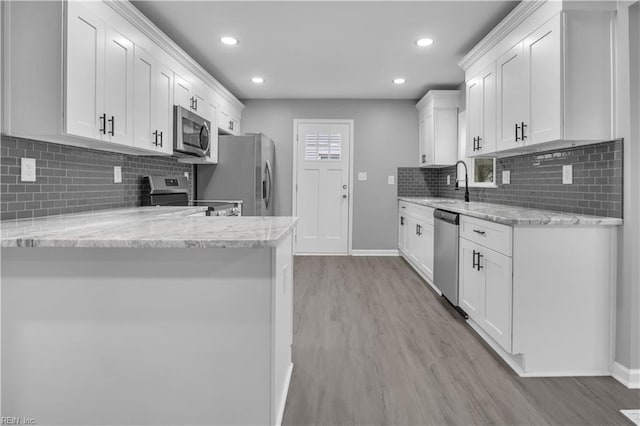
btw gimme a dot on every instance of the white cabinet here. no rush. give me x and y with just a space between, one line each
189 96
521 291
228 118
438 128
153 104
416 237
481 112
553 78
99 79
485 290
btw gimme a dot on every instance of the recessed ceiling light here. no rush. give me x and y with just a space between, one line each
424 42
399 81
257 80
229 41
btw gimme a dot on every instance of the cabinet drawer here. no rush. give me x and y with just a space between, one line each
489 234
417 211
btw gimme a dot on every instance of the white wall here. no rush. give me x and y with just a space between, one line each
628 127
385 137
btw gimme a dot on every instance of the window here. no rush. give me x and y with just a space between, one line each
318 146
482 171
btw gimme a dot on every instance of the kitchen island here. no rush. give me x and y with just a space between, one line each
147 316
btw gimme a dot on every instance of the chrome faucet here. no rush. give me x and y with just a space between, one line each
466 180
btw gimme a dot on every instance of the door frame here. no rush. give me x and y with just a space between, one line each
294 198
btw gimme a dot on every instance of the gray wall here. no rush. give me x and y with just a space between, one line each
385 138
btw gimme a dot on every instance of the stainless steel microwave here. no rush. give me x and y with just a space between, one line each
192 133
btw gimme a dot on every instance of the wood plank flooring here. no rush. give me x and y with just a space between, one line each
374 345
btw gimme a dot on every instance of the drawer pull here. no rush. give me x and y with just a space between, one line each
479 232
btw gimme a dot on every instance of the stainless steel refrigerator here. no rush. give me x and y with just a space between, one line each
244 172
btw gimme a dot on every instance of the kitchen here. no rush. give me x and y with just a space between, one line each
384 139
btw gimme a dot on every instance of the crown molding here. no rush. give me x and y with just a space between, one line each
521 12
129 12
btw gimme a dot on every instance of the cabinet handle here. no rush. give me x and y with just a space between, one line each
480 257
479 232
155 135
112 120
160 139
517 128
479 146
424 158
103 125
231 125
475 253
195 102
401 221
522 131
476 264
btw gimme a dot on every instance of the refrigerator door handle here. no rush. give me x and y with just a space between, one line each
269 183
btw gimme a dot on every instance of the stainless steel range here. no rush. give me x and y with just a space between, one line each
174 191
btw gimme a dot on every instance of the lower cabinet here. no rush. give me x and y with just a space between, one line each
415 237
485 290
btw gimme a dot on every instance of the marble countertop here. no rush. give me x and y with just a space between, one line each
511 215
146 227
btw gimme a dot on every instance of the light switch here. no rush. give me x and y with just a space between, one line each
506 177
391 180
362 175
117 174
567 174
28 169
448 179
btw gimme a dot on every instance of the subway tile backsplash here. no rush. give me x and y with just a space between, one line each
72 180
536 181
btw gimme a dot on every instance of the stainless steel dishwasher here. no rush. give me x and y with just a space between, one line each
445 261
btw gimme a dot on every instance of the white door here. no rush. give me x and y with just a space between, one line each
163 116
497 294
322 197
143 100
425 248
471 280
182 92
513 97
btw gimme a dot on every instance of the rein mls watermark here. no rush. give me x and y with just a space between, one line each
17 421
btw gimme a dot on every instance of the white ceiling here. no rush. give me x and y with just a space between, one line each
328 49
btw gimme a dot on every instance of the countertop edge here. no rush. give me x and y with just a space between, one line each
570 220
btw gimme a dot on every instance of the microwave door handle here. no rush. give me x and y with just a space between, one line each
204 130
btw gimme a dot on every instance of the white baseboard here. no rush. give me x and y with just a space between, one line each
360 252
285 393
628 377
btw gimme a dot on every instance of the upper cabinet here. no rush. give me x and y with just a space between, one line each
551 76
438 128
96 74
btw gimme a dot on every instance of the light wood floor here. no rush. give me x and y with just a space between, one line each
373 345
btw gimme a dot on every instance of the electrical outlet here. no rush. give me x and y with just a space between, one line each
567 174
186 174
448 179
362 175
117 174
391 180
28 169
506 177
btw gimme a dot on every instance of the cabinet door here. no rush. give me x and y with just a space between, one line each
118 87
412 240
513 97
425 248
402 236
422 140
471 281
163 107
84 81
143 100
200 106
181 92
497 296
475 113
429 139
543 54
444 142
212 115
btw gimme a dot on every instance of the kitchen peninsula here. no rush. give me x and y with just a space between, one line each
152 315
